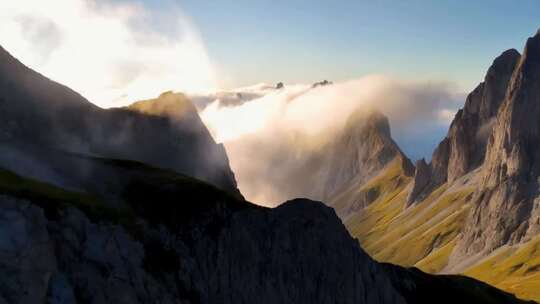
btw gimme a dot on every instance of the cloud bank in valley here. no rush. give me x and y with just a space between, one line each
269 138
113 53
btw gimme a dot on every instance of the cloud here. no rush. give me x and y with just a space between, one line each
113 53
271 140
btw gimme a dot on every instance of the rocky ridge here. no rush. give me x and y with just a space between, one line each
110 229
464 147
361 151
507 209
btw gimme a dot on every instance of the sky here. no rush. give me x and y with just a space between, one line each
299 41
147 46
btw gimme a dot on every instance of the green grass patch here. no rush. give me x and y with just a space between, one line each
53 199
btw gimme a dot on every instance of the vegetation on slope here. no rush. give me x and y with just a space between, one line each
391 232
134 189
53 199
515 269
425 234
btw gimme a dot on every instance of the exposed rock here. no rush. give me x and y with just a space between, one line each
507 208
280 85
422 178
297 253
463 149
360 152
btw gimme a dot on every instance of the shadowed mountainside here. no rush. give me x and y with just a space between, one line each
37 111
168 238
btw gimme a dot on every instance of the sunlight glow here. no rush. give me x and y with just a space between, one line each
107 52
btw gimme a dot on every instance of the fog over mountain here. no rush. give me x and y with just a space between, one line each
271 136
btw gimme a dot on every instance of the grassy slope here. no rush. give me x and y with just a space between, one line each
52 198
406 236
515 269
425 234
181 198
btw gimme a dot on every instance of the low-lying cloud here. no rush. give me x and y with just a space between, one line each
112 52
269 139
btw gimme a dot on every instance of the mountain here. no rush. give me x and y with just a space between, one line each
474 208
364 147
178 240
507 209
464 147
83 218
40 113
363 151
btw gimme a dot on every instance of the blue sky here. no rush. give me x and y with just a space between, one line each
299 41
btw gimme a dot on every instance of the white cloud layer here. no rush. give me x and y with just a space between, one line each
109 52
270 138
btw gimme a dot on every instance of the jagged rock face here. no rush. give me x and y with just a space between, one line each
507 210
38 111
464 147
422 178
439 162
362 150
297 253
471 127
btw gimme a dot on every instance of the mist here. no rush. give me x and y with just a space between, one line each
273 140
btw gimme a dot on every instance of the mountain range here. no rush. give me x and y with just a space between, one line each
473 208
139 204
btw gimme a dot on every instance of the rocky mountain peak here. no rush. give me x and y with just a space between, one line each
507 210
464 147
362 122
363 149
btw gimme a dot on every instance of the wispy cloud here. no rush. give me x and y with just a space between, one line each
111 52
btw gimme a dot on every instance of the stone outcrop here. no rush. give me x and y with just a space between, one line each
422 178
464 147
471 127
507 208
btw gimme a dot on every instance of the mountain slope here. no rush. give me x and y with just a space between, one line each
37 111
473 209
82 222
362 150
194 249
507 209
464 147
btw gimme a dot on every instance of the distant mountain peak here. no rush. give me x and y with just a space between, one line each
321 83
368 120
364 148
